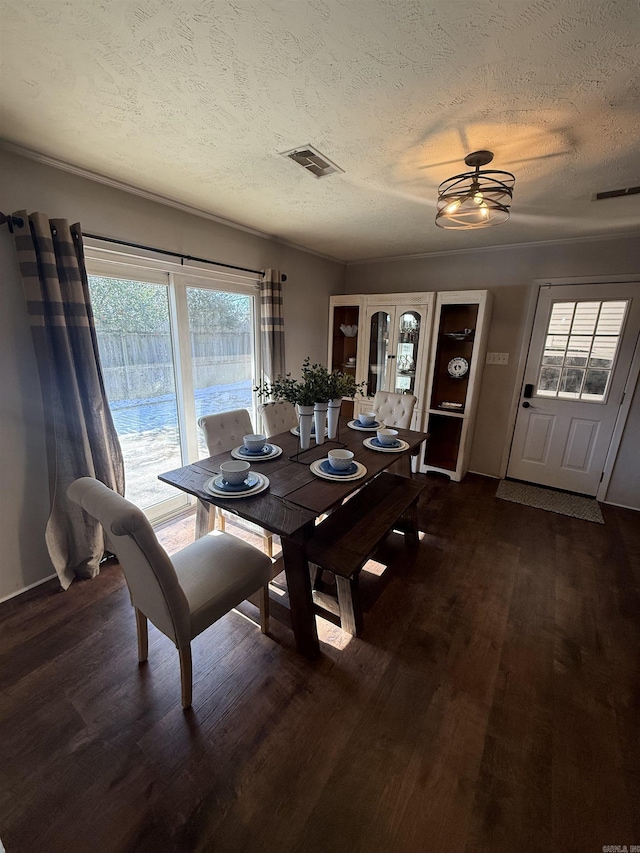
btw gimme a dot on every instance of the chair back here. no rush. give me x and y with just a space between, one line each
151 578
278 417
226 430
394 410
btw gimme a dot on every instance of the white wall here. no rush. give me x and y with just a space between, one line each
113 213
509 273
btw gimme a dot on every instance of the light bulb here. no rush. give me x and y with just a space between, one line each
450 208
478 197
484 210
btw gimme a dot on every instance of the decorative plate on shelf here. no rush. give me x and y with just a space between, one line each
458 367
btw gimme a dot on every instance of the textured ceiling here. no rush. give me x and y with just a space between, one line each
193 99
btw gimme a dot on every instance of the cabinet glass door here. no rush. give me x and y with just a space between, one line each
406 355
379 329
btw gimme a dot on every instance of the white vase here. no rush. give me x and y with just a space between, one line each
332 416
305 420
320 416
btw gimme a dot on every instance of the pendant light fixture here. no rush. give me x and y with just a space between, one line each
475 199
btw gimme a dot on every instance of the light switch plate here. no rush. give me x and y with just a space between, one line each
497 358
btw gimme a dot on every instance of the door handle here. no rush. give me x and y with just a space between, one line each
527 405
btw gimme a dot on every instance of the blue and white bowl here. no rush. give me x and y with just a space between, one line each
340 459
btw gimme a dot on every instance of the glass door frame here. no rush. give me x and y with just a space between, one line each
155 269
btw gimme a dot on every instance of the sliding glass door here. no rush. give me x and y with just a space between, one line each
173 348
222 357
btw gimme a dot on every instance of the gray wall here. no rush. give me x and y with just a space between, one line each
509 274
110 212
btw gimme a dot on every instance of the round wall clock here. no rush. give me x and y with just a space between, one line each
458 367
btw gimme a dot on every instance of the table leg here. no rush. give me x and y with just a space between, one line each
303 620
203 525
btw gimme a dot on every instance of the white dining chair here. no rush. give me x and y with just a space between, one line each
182 595
278 417
394 410
222 432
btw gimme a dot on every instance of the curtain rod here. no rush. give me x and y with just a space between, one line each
174 254
17 220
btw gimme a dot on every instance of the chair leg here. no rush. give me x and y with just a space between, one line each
267 543
264 609
220 517
143 635
185 675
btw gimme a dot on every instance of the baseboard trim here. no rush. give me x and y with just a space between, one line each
622 506
27 588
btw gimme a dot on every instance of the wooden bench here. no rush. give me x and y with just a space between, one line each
344 542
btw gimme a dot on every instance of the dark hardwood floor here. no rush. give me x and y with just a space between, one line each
492 705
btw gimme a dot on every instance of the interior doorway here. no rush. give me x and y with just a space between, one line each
580 354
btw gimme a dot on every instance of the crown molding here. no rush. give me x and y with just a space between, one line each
422 255
167 201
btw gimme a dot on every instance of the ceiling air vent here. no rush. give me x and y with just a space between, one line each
312 161
616 193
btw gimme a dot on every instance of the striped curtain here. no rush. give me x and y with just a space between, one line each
271 325
81 437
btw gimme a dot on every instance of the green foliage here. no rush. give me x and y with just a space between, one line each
316 386
121 305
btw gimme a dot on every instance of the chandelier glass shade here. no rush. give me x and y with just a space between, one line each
475 199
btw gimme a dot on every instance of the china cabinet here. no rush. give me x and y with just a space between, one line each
426 344
458 349
394 347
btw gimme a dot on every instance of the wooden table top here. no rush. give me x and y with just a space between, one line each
295 496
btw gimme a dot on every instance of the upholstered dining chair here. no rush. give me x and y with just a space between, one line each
278 417
222 432
182 595
394 410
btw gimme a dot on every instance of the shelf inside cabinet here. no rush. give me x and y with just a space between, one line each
344 346
459 320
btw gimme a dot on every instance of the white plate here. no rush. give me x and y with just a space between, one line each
355 424
368 442
263 483
257 457
296 431
315 469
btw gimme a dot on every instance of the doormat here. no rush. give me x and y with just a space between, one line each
577 506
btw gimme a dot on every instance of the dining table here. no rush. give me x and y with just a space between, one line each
294 499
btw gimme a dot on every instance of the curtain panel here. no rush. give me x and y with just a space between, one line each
81 438
271 325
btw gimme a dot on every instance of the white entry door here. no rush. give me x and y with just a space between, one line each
581 348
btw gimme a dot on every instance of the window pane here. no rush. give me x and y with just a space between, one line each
548 382
561 317
134 340
585 317
554 349
222 353
611 317
595 384
570 382
578 351
604 349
